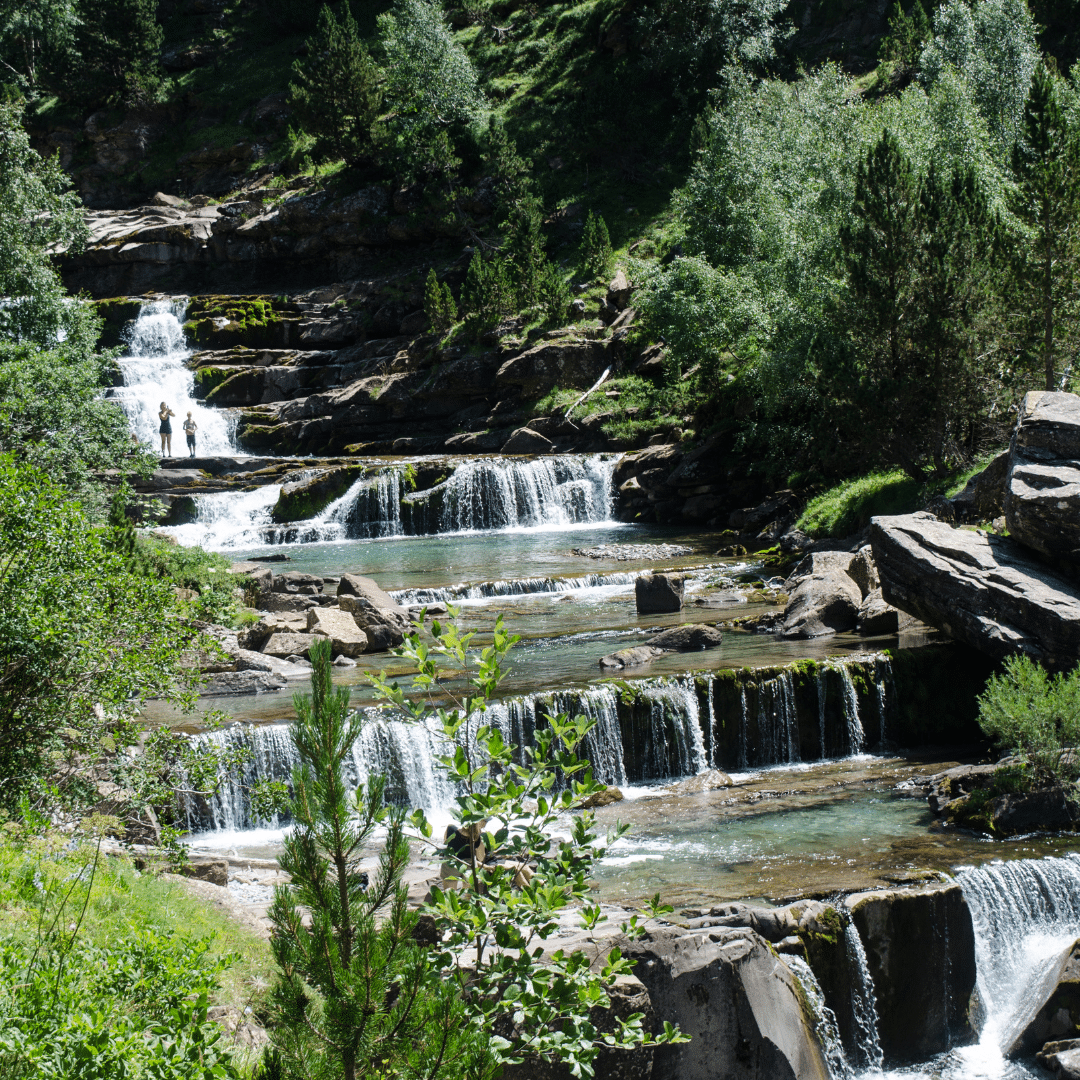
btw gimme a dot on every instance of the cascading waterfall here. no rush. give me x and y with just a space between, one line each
825 1026
744 730
778 722
513 587
1025 913
154 371
863 1002
230 519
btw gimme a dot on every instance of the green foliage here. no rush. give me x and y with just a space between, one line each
354 996
486 295
554 294
439 306
118 48
336 93
1034 714
84 640
849 506
505 903
907 34
524 251
34 36
595 246
206 572
1046 161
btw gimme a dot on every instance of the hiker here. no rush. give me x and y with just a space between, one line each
165 429
189 430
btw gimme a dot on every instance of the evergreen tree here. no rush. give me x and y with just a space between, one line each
908 32
439 304
119 45
595 246
554 294
449 308
487 294
336 93
524 251
1046 164
354 997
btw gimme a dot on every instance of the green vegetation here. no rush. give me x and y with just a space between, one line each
192 568
1035 715
96 981
439 306
849 506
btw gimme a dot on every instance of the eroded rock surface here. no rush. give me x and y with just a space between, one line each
983 590
1055 1012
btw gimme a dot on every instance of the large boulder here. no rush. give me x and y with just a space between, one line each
288 645
920 949
1042 490
638 656
980 589
690 637
527 441
296 581
573 363
346 638
234 683
377 613
825 599
1054 1011
657 594
983 497
744 1011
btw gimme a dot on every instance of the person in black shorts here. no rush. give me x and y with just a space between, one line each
189 430
165 429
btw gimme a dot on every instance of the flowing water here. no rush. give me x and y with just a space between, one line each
154 371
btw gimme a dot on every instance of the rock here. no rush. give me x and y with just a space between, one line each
982 590
659 593
876 617
602 798
572 363
229 683
296 581
618 291
287 602
343 661
305 499
1062 1058
346 638
920 949
773 924
381 617
215 871
690 637
577 310
863 570
825 599
1042 488
1054 1011
741 1006
983 497
527 441
1051 809
627 658
286 645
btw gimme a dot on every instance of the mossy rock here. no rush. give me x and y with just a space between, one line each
208 379
184 511
298 502
117 313
228 322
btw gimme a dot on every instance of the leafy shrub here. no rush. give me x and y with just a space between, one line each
1029 712
192 568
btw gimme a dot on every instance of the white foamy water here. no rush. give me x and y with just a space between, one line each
230 519
155 371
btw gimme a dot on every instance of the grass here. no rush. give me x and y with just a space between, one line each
850 505
122 903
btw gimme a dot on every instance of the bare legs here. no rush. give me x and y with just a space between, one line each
166 441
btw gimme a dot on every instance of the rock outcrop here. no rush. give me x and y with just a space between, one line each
1042 488
381 617
983 590
738 1002
657 594
920 949
825 598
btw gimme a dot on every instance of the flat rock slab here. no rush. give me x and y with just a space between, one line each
633 552
233 683
983 590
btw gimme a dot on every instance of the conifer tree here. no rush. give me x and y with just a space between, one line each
908 32
595 246
336 95
524 251
353 997
1046 163
439 304
119 44
449 308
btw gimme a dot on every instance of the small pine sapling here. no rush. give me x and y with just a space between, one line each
355 996
554 295
434 305
595 246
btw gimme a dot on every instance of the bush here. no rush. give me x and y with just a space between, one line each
849 506
1036 715
205 572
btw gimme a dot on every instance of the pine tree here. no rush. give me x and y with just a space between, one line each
1046 163
554 294
336 95
354 997
439 304
524 251
908 32
595 246
119 43
473 291
449 308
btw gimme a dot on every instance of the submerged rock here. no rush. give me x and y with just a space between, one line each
982 590
688 638
627 658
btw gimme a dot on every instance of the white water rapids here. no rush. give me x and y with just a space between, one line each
154 371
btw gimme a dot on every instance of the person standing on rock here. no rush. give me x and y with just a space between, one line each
189 430
165 429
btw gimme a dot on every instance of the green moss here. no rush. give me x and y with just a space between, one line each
208 379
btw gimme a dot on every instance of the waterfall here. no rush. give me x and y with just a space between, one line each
744 730
778 721
856 737
863 1002
514 587
230 519
154 371
1025 913
825 1026
822 694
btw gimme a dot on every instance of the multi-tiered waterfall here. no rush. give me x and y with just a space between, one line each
154 371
